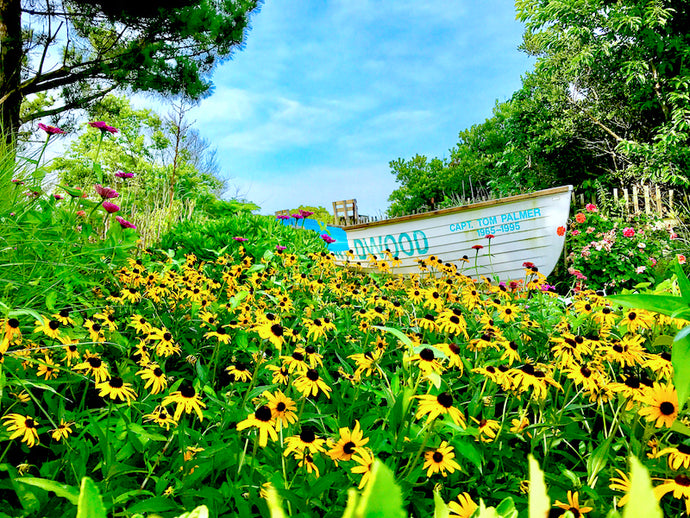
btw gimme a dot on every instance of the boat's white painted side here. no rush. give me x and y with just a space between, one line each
524 229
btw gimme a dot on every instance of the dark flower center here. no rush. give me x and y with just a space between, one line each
13 323
618 348
116 382
682 480
454 319
263 414
280 407
53 324
667 408
298 356
349 448
29 423
445 399
427 354
95 363
683 448
187 391
632 315
527 369
277 330
438 457
96 327
633 382
240 366
167 337
513 345
317 322
220 330
64 313
163 415
309 349
586 373
307 435
312 375
454 348
429 317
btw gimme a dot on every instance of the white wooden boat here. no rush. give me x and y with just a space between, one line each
524 229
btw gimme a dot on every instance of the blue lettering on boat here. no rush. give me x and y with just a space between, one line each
418 244
416 235
402 247
394 244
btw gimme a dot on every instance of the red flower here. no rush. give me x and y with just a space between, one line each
681 258
124 223
580 218
628 232
105 192
110 207
528 264
101 125
591 207
477 247
50 130
560 231
490 236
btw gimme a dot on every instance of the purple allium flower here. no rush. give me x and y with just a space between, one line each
101 125
296 216
106 193
240 239
305 213
50 130
110 207
124 223
58 196
280 247
120 174
282 216
328 239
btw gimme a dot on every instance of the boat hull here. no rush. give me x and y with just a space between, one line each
524 228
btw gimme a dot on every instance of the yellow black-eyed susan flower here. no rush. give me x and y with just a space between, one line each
115 388
95 331
573 505
221 334
488 428
296 362
50 328
442 404
262 419
154 377
11 330
661 405
281 375
305 440
426 361
678 456
165 344
306 461
347 444
140 324
310 383
239 372
635 319
63 316
621 483
161 417
679 486
62 431
23 426
627 352
282 408
47 368
93 365
364 458
463 508
187 401
107 317
440 460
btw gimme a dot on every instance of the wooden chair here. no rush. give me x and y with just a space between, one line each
345 212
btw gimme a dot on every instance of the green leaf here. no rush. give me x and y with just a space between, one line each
597 460
382 497
683 282
202 512
399 334
539 503
275 506
62 490
90 504
440 507
51 298
506 508
680 358
642 503
665 304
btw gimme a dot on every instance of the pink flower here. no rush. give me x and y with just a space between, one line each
17 181
50 130
296 216
590 207
673 235
305 213
590 230
653 261
628 232
681 258
580 218
110 207
280 247
101 125
328 239
124 223
575 233
81 213
640 269
240 239
283 216
106 192
58 196
120 174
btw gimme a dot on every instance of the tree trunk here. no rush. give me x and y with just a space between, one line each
10 67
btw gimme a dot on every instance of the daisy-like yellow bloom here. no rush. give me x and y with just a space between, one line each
528 376
22 426
434 406
678 456
306 460
161 417
367 363
310 383
427 322
488 428
262 419
62 431
296 362
508 312
71 351
187 401
154 377
107 316
274 332
661 364
605 317
588 375
347 444
453 351
570 348
140 324
622 483
440 460
11 330
631 389
63 316
239 372
573 505
628 352
50 328
280 376
48 368
679 485
93 365
318 327
453 322
95 331
518 426
433 299
635 319
306 440
282 408
365 461
165 344
426 361
662 405
115 388
510 351
463 508
130 295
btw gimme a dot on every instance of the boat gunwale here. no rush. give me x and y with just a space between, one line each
463 208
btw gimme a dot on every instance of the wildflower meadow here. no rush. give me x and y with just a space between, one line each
234 368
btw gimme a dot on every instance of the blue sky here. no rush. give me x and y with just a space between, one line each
326 93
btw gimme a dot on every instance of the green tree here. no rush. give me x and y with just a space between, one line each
621 73
65 54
